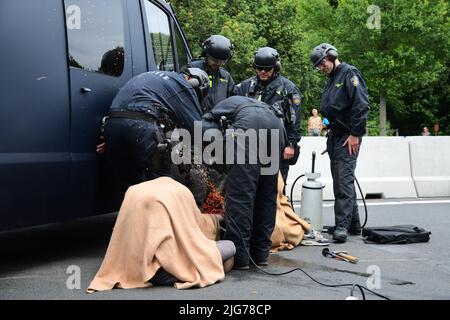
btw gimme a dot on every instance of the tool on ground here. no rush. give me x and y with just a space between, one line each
340 255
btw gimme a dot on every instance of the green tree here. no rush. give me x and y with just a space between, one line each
402 58
405 61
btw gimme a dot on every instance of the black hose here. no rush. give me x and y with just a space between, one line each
364 202
352 285
292 191
360 191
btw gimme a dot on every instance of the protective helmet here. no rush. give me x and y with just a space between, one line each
267 58
321 52
218 47
199 80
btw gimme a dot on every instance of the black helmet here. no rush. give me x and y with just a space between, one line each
218 47
199 81
267 58
321 52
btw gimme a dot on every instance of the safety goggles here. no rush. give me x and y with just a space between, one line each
216 61
263 68
321 63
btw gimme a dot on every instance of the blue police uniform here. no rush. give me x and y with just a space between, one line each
271 92
140 114
221 84
250 199
345 103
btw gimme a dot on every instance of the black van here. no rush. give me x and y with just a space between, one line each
61 63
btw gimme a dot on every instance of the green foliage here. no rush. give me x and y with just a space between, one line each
408 56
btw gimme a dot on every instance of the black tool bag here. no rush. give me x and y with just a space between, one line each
401 234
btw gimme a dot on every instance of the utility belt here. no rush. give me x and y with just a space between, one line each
158 160
133 115
338 128
159 116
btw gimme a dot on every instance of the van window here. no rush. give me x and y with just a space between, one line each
95 32
181 50
161 38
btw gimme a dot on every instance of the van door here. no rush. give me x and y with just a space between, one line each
34 113
166 48
100 63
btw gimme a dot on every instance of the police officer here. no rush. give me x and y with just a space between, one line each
271 87
345 103
216 52
250 198
145 109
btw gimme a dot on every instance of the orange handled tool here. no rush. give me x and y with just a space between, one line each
348 257
340 255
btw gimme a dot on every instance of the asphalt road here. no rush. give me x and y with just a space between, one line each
40 263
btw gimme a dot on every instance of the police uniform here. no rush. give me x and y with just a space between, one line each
250 199
271 92
345 103
221 84
145 107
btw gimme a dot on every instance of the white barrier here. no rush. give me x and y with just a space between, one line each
383 167
430 165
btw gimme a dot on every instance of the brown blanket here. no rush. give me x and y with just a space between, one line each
160 225
289 227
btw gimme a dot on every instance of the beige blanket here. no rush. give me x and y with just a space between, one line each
289 227
160 225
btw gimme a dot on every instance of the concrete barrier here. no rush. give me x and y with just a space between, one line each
383 167
430 165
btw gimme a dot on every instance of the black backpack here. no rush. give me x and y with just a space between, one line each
401 234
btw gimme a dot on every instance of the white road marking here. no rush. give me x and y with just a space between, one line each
389 203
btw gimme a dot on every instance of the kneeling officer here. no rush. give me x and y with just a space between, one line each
251 191
144 110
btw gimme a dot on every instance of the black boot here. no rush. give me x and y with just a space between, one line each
340 235
355 229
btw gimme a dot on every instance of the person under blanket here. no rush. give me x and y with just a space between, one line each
161 237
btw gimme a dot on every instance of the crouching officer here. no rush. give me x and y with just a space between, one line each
216 52
251 191
345 103
145 109
271 87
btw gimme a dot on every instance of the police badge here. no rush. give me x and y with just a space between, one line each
355 81
297 100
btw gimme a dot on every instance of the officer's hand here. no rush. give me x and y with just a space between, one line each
101 148
288 153
353 144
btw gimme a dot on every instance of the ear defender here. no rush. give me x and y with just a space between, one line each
331 52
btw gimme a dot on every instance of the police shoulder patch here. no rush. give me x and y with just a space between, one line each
296 99
355 81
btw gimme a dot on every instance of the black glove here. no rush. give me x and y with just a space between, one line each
294 159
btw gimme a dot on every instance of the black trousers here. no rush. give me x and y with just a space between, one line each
131 148
284 170
343 167
250 211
